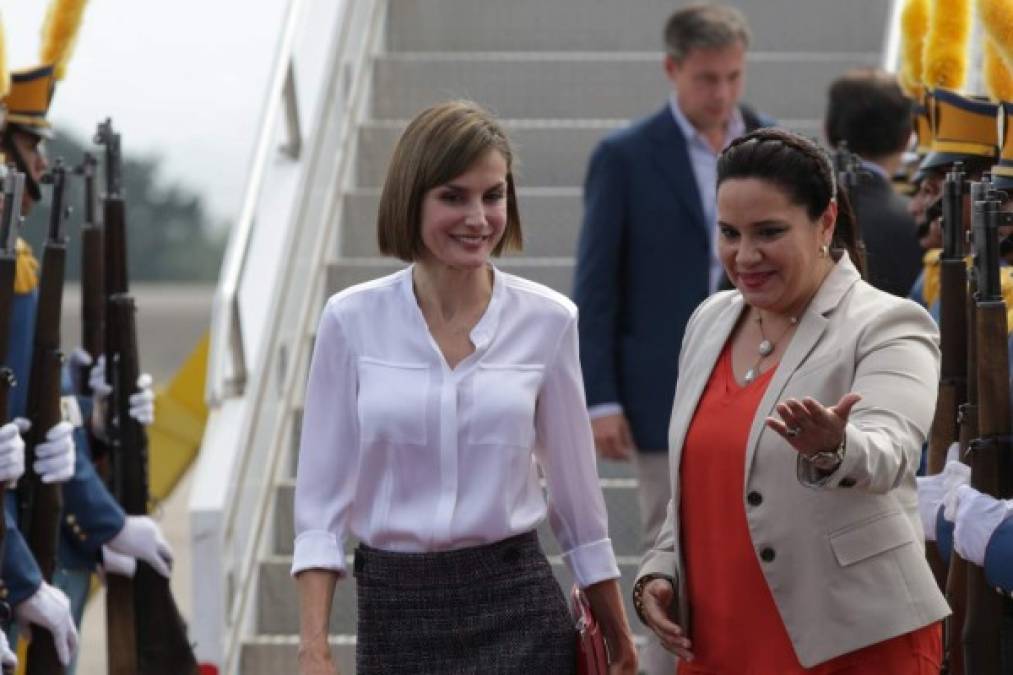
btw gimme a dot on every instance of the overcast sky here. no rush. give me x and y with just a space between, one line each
183 80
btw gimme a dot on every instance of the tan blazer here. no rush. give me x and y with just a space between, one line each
843 557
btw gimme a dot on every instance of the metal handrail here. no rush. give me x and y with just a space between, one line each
251 417
891 40
227 363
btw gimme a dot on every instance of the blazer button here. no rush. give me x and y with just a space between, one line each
754 498
847 482
767 555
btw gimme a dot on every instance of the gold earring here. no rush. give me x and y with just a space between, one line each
824 251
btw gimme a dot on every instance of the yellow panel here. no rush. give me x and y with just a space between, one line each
180 416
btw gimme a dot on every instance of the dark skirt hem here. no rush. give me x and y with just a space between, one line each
494 609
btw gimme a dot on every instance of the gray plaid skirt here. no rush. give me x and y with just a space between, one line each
494 609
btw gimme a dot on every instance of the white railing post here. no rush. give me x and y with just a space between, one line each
268 291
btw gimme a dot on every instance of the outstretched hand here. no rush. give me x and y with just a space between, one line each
810 427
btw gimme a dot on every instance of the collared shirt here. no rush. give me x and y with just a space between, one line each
872 167
704 161
406 454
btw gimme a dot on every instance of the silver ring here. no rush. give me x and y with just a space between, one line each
793 431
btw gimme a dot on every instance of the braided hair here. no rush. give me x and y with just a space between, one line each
804 171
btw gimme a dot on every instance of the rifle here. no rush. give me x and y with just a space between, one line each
990 451
963 386
953 322
13 184
92 295
850 173
952 390
41 504
848 166
145 632
92 283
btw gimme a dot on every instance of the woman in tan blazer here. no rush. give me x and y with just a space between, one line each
793 542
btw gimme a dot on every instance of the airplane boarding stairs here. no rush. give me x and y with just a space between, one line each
560 74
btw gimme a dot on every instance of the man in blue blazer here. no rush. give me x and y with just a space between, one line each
646 254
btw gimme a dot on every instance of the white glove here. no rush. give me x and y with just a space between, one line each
50 609
141 538
930 498
54 458
978 516
100 389
955 474
12 450
116 563
7 658
142 403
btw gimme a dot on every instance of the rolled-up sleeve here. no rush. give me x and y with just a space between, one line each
328 452
565 450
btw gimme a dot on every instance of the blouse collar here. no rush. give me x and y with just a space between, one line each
483 331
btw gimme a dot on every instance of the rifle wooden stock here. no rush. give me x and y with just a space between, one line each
160 643
121 640
967 419
982 637
157 641
953 369
41 504
8 267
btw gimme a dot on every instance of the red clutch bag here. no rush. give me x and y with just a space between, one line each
592 657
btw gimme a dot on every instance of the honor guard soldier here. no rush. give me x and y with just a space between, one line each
95 530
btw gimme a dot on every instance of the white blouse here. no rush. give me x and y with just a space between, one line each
408 455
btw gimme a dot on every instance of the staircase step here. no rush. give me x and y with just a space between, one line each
556 273
620 501
550 217
606 25
562 85
548 153
278 602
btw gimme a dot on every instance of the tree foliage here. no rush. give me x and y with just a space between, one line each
169 233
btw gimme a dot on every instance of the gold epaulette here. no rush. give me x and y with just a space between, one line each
26 269
1006 283
930 287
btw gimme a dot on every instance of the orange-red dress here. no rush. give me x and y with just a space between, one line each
736 628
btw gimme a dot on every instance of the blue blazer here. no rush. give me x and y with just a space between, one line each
643 265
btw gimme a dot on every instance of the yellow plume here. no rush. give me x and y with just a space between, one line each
914 24
5 76
998 80
997 20
59 33
946 43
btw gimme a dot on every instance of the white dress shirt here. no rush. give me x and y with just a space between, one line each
704 160
405 454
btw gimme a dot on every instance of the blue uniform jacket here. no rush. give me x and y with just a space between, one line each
91 516
998 553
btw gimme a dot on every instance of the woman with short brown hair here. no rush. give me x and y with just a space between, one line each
432 394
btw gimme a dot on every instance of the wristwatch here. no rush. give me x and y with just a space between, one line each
827 460
638 592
